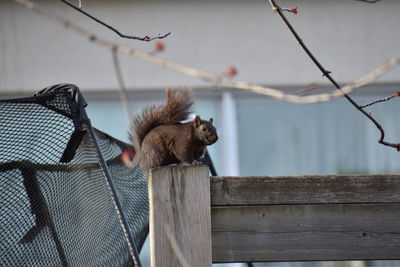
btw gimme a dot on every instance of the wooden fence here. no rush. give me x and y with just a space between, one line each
196 220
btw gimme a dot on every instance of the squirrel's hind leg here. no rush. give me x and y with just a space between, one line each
152 159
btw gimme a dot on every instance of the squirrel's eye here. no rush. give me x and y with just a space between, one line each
204 129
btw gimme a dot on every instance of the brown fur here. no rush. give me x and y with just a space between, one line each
159 138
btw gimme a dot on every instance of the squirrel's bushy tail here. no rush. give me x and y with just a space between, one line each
177 108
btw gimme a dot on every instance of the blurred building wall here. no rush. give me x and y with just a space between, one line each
349 37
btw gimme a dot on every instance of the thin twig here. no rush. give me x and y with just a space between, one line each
307 90
327 74
369 1
123 92
214 79
145 38
380 100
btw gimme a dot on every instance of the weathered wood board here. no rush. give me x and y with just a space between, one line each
305 189
180 216
306 232
305 218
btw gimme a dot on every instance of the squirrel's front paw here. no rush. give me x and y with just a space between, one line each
196 162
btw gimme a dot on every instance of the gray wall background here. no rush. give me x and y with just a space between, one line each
350 38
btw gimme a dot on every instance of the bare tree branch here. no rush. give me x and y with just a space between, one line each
327 74
212 78
369 1
145 38
381 100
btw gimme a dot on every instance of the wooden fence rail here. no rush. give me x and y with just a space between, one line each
291 218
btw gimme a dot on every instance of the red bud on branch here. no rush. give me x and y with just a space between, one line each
159 46
231 71
291 10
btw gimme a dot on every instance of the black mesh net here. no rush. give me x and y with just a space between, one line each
57 207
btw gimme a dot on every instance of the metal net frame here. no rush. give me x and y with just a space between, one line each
66 198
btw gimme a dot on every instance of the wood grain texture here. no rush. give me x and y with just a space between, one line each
305 189
180 216
306 232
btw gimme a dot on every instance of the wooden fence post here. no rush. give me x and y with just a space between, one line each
180 216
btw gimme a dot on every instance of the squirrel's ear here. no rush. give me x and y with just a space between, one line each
197 120
211 120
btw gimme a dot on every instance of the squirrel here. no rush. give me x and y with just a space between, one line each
159 138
